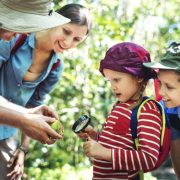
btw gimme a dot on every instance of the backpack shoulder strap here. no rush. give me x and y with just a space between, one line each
164 122
161 109
135 116
134 120
133 126
55 65
20 41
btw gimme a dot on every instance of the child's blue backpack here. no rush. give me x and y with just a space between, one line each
165 134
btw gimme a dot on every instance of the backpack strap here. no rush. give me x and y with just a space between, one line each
134 120
55 65
164 122
161 109
133 126
20 41
135 116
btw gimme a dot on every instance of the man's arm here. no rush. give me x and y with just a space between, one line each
33 122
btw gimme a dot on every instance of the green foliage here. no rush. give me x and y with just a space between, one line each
83 90
64 173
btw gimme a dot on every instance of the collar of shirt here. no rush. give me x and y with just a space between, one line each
25 58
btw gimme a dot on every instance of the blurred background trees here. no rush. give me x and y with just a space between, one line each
82 90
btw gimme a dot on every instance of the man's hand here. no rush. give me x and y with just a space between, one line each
37 124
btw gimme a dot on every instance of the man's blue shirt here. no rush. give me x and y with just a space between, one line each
12 70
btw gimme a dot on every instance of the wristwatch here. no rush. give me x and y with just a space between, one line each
23 149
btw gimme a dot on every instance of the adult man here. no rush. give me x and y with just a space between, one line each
24 16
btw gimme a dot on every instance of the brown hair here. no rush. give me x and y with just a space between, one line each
78 14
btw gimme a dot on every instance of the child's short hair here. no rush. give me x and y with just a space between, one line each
128 57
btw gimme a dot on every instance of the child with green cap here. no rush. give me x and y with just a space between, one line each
169 88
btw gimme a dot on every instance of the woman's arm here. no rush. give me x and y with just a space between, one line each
34 122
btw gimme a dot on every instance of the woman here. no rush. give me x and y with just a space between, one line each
31 72
36 13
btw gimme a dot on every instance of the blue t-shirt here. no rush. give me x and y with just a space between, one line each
12 70
173 115
175 110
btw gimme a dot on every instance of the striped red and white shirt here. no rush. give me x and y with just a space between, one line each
116 135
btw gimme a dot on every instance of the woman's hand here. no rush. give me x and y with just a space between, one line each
88 132
17 160
44 110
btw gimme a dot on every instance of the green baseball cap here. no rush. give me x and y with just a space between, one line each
171 60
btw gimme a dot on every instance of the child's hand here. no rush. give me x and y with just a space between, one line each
17 160
96 150
88 132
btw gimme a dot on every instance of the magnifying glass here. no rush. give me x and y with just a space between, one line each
81 124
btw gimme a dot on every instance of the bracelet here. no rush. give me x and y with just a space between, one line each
23 149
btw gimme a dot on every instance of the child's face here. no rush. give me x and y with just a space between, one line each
124 86
169 87
67 36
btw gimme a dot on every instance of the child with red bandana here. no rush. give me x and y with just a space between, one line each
113 151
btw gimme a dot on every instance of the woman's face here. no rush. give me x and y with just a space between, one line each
67 36
169 87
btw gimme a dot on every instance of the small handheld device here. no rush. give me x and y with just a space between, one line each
81 124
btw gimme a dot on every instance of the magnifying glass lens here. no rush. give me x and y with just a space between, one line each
81 125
